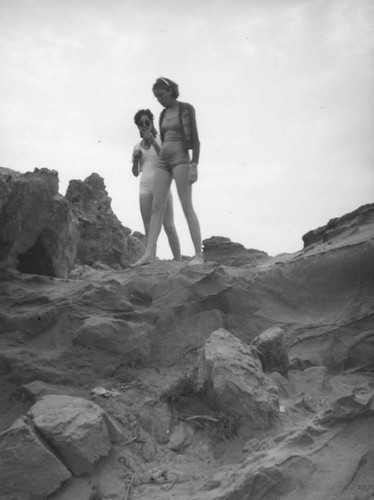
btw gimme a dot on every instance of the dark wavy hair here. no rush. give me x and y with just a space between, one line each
166 84
148 113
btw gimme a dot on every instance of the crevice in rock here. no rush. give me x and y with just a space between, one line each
37 259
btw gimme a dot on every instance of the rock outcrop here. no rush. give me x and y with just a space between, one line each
340 228
38 232
42 232
176 354
228 253
102 238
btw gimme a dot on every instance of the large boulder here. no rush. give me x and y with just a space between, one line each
78 429
29 468
231 375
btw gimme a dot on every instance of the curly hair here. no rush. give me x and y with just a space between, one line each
148 113
166 84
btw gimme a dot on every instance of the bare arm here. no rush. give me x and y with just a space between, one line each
135 162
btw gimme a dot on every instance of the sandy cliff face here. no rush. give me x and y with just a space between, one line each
139 343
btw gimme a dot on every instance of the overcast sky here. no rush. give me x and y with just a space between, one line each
283 91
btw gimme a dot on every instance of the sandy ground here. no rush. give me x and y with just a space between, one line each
319 461
304 456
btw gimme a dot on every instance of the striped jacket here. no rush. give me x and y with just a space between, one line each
187 120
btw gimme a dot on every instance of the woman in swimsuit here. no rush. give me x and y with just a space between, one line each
144 161
179 134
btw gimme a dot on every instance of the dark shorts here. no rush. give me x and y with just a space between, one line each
172 154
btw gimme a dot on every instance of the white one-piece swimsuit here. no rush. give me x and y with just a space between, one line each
146 166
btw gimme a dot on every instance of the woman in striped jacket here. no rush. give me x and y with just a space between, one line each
178 131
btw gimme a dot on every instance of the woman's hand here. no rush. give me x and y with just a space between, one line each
147 135
193 172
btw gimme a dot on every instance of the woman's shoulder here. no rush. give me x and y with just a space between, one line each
187 108
185 105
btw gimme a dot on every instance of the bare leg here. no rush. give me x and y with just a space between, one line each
145 200
181 175
161 186
170 230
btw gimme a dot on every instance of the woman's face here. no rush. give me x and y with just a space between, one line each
144 123
164 97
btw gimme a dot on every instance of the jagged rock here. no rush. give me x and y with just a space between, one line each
226 252
77 428
29 468
102 236
272 350
42 232
230 374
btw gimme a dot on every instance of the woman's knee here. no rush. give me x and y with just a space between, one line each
158 206
169 228
187 208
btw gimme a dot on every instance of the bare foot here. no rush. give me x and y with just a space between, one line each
198 259
143 261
